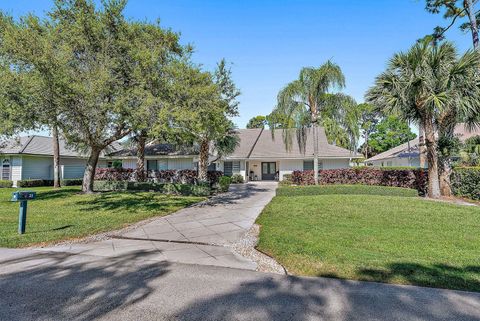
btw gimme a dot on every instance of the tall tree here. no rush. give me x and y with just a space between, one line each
31 48
421 85
199 112
369 118
453 10
257 122
388 133
112 67
302 101
459 85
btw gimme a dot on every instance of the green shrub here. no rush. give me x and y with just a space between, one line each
5 184
107 186
34 182
237 179
466 182
145 186
224 183
71 182
202 189
287 180
346 189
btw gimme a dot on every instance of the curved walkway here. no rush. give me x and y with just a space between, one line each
200 234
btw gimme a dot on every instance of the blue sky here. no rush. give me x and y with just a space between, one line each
269 41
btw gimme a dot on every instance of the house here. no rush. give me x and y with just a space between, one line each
259 156
30 157
408 154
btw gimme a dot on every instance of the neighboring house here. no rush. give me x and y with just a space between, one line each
259 156
408 154
30 157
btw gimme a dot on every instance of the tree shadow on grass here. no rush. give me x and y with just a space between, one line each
436 275
61 286
56 193
134 202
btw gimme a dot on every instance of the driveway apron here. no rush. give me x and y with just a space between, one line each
200 234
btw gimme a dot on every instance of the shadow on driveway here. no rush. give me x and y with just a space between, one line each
50 286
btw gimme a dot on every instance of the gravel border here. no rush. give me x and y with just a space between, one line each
246 248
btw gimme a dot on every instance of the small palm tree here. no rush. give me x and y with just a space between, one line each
423 85
303 101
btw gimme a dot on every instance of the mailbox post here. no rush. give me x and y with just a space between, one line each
22 197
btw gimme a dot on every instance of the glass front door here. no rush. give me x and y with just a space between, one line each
268 171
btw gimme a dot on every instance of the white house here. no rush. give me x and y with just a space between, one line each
408 154
259 156
30 157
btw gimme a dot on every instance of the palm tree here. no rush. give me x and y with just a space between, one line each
459 84
422 85
303 101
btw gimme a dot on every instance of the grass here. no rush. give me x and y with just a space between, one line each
378 235
63 214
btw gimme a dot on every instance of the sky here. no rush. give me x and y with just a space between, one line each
268 42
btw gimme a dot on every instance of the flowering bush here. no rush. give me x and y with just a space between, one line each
184 176
408 178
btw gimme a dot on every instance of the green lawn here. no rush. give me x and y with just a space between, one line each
65 213
347 232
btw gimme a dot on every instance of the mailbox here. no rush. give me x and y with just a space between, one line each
22 197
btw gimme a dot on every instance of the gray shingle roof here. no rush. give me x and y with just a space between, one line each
42 145
258 143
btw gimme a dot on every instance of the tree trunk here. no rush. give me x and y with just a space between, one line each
203 160
366 145
56 157
432 160
141 139
445 170
315 152
89 175
473 22
421 146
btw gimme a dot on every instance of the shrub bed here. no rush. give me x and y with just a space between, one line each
224 183
407 178
34 182
5 184
165 188
466 182
71 182
237 179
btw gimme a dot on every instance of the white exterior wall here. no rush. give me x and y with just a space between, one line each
287 166
335 163
396 161
129 163
37 167
172 163
16 169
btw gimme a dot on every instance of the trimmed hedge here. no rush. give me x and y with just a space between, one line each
406 178
346 189
71 182
5 184
165 188
34 182
466 182
184 176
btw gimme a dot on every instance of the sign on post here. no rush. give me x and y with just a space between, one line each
22 197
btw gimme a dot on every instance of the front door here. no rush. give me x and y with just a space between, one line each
268 171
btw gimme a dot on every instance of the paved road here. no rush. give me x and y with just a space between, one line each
220 222
60 286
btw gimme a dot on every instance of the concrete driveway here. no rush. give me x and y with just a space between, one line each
200 234
131 287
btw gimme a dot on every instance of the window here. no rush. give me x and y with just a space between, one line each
152 165
389 163
212 167
308 165
162 164
6 169
228 168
